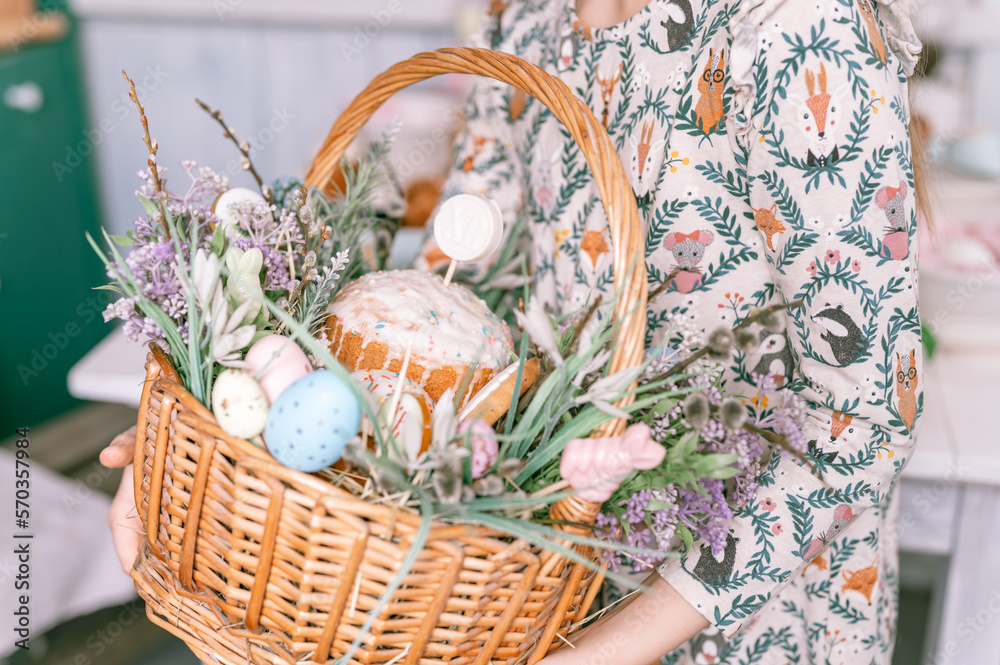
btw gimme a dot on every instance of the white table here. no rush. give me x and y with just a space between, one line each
950 504
950 494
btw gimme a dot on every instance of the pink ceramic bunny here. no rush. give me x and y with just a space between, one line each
597 467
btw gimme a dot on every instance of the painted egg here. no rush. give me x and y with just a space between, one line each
282 361
239 404
222 207
411 424
311 422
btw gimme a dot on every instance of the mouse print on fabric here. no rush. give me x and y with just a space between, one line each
688 250
895 242
766 148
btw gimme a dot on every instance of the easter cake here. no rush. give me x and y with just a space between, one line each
372 321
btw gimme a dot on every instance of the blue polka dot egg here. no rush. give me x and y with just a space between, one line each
311 422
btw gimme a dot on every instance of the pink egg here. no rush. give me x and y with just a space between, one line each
289 364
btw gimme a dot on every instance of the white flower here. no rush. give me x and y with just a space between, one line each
205 274
228 336
535 322
831 235
596 362
640 78
616 33
867 380
816 223
873 395
444 424
841 219
608 389
691 300
691 191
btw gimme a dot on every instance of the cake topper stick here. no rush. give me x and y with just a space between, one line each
468 228
451 272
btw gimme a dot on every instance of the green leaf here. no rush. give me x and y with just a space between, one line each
149 206
110 287
123 241
685 535
219 240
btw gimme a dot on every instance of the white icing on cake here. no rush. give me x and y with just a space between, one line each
449 325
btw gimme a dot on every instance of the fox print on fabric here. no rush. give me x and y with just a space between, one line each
711 84
644 153
906 387
818 118
766 146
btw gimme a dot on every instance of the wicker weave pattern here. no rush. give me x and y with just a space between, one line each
250 562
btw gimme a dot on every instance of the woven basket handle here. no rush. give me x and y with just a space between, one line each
593 141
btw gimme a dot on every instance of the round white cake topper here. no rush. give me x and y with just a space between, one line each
222 204
468 227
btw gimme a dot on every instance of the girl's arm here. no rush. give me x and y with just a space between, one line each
639 630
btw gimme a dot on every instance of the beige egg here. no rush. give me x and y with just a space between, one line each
239 404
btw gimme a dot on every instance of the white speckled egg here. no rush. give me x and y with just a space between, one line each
289 366
239 404
311 422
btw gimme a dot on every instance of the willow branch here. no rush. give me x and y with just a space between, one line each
242 146
750 319
152 146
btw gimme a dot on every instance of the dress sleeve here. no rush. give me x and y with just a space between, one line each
819 120
483 157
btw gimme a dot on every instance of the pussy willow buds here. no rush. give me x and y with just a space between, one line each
696 410
733 414
720 343
746 341
771 322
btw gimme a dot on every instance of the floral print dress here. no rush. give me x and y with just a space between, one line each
766 142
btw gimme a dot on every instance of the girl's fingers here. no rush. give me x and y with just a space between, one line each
120 451
126 527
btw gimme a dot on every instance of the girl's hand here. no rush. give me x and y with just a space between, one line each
126 527
120 451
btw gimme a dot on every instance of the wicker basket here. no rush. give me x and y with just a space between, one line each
250 562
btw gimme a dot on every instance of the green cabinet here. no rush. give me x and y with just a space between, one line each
50 315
